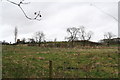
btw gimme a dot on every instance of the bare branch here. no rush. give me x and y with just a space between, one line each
37 14
12 2
84 35
40 36
109 35
73 33
89 35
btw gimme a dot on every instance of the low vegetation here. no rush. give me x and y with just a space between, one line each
33 62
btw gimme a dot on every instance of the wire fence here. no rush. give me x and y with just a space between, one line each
67 70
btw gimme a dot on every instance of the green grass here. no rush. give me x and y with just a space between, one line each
25 62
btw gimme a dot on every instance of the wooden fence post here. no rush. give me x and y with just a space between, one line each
50 70
86 68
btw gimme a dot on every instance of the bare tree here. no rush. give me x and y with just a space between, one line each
15 34
55 39
89 35
35 37
73 34
82 33
37 15
40 36
84 36
108 36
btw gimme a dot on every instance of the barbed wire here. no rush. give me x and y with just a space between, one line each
104 12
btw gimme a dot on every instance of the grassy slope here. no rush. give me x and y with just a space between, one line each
25 62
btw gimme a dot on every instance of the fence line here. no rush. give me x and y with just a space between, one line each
86 70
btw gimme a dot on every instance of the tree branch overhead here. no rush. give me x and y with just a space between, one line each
37 15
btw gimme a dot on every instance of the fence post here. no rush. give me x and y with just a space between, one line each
50 70
86 68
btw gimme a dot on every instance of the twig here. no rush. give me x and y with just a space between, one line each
37 14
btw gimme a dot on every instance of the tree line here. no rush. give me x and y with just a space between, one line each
74 34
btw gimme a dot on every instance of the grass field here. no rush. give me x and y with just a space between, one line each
33 62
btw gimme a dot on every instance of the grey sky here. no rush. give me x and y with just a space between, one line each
57 17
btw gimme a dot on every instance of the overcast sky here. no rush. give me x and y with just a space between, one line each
57 17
